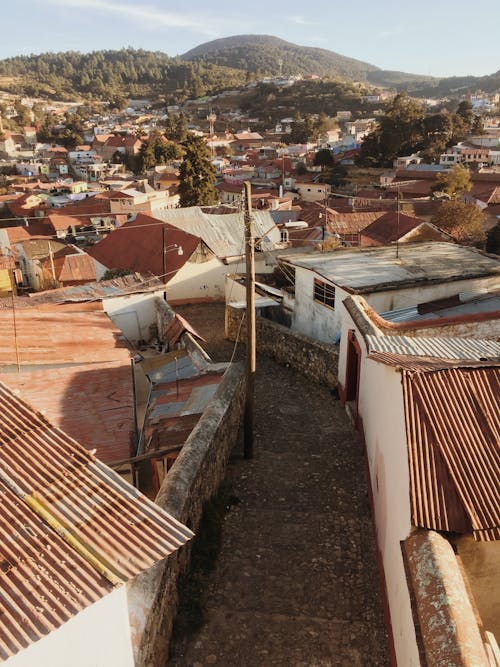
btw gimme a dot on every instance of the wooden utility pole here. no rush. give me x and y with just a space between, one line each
250 317
164 265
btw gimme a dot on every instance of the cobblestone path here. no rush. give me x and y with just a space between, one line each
296 582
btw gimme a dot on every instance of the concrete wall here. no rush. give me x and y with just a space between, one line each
99 636
312 318
134 314
194 478
381 412
324 323
315 360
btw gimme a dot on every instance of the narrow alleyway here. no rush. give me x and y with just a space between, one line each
296 582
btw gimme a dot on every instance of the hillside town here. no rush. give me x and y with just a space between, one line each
125 290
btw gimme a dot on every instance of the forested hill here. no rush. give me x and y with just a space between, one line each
111 74
267 55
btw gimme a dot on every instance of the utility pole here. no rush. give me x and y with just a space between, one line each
250 317
397 239
164 265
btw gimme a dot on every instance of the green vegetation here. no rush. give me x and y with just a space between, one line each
405 128
465 222
156 150
114 76
265 55
197 175
453 183
273 103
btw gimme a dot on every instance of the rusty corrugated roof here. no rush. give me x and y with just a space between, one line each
116 531
453 435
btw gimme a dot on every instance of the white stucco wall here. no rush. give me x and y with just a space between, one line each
381 409
323 323
133 314
207 280
98 636
312 318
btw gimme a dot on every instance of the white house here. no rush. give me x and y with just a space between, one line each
427 409
387 277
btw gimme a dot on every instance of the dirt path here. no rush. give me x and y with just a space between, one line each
296 583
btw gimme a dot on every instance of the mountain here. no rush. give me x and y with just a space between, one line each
269 55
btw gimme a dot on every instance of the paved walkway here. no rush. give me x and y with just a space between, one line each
296 582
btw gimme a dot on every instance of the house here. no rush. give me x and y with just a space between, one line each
388 278
73 535
312 192
200 249
69 266
394 227
7 144
426 405
125 145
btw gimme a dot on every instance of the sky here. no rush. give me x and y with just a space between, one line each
435 37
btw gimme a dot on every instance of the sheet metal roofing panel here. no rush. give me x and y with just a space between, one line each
453 433
44 580
93 404
223 234
471 303
443 348
134 283
369 270
62 334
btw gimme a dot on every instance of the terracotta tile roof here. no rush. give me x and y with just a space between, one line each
17 234
138 246
453 435
352 223
390 227
117 532
60 222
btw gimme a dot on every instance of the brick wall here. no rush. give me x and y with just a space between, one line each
195 478
315 360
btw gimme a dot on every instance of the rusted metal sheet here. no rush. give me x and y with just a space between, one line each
442 348
453 434
44 579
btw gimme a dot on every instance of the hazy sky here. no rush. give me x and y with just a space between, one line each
438 37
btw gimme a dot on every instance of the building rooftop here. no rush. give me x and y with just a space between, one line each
371 270
116 532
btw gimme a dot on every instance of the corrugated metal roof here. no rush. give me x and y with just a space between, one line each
115 531
453 435
223 234
467 303
443 348
131 284
92 403
379 269
61 334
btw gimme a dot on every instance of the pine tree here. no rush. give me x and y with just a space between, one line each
197 175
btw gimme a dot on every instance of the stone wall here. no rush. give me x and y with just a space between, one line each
195 478
315 360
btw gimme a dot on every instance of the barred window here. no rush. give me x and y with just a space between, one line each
324 293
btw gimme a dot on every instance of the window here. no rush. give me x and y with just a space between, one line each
324 293
285 237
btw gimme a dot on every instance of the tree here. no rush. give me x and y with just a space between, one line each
400 132
465 222
323 158
454 182
197 175
493 240
300 169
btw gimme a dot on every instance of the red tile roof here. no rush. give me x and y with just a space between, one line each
453 434
138 246
390 227
71 266
116 532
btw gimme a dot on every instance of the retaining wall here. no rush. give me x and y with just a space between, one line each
315 360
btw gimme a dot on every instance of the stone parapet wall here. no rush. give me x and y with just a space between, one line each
315 360
195 478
